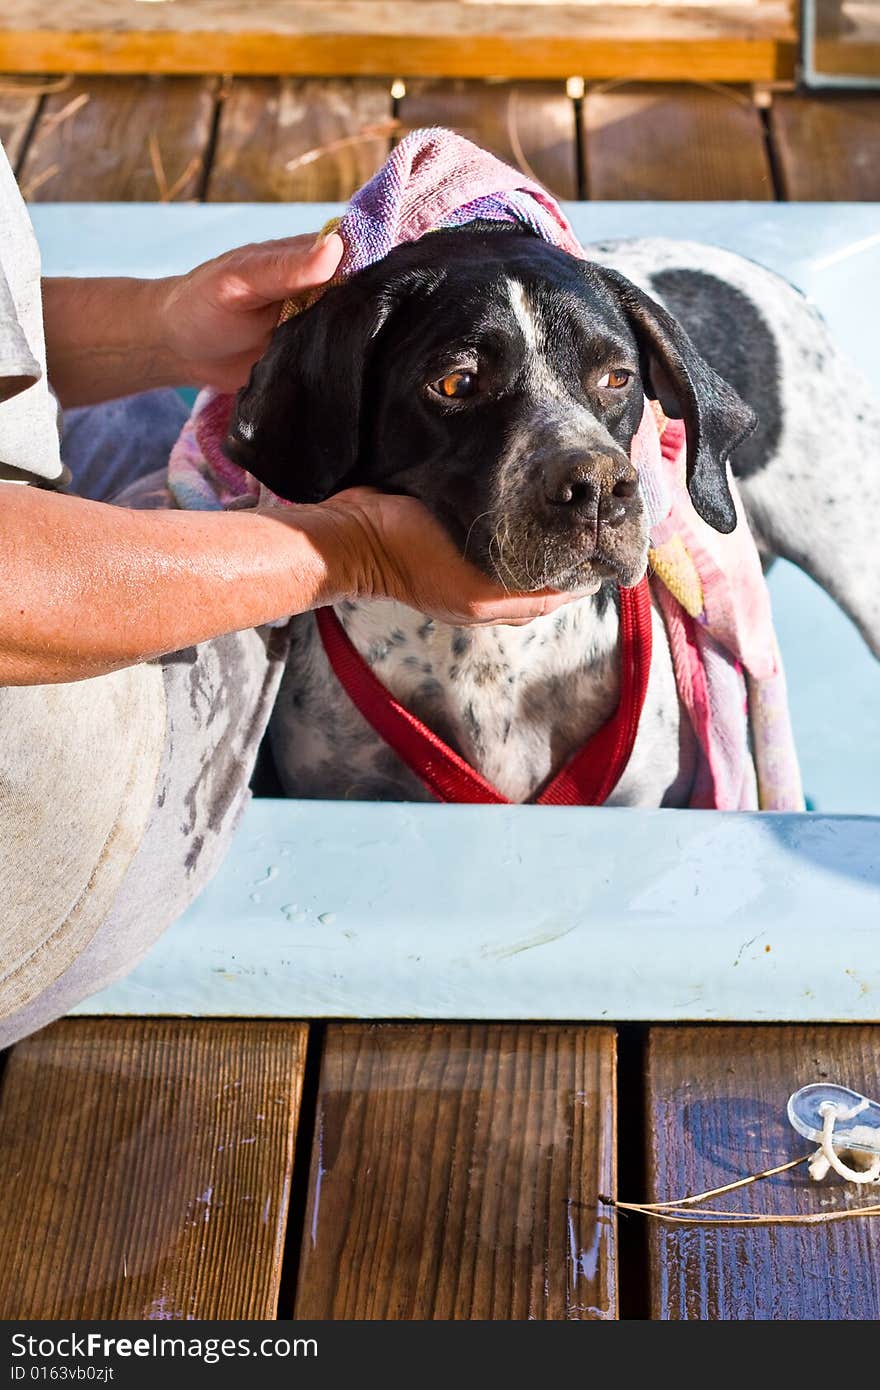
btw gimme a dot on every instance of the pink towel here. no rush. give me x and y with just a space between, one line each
710 588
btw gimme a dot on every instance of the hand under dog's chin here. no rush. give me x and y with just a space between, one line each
572 574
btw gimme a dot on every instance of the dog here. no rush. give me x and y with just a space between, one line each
500 381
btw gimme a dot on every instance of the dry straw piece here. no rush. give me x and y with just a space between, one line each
711 1216
35 86
379 129
169 191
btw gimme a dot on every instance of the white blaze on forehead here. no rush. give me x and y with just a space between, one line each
542 378
524 314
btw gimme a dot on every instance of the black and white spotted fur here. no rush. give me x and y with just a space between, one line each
516 702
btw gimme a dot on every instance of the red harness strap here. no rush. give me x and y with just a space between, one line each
587 779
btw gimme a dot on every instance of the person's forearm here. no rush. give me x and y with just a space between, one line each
87 588
105 338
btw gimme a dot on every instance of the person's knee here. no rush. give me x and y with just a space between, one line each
79 766
119 798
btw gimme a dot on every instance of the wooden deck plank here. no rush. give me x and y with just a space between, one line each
674 143
715 1111
529 124
145 1169
93 141
299 140
828 147
744 40
455 1173
18 107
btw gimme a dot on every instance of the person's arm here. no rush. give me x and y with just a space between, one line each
88 588
116 336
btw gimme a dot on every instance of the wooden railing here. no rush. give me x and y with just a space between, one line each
748 41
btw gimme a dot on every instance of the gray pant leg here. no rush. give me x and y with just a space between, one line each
218 699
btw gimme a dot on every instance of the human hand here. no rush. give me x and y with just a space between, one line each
219 317
377 545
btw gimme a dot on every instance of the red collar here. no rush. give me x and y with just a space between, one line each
587 779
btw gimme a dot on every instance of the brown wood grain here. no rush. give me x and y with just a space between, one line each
847 39
757 59
145 1168
299 140
528 124
828 147
18 107
849 59
674 142
752 40
93 141
455 1172
715 1112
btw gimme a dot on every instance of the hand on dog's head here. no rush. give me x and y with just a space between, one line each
500 381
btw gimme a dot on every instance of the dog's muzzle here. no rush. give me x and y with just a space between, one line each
579 522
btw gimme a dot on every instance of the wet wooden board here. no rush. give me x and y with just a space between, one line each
294 140
455 1172
528 124
715 1111
92 140
145 1169
828 147
138 139
744 40
674 142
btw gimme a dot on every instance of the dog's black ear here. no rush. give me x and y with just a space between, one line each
716 418
296 425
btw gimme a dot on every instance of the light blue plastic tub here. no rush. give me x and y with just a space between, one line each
326 910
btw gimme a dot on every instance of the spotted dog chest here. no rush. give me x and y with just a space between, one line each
516 703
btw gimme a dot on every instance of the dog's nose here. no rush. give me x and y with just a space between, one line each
593 484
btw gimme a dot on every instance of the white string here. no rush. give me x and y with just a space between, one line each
822 1162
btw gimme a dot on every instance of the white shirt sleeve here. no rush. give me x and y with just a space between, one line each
29 440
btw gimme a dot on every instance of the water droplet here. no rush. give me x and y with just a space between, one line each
271 872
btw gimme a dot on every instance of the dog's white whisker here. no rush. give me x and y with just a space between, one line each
476 519
505 540
500 564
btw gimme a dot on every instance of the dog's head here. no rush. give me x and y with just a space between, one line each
500 381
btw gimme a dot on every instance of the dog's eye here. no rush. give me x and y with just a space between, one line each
456 386
616 379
